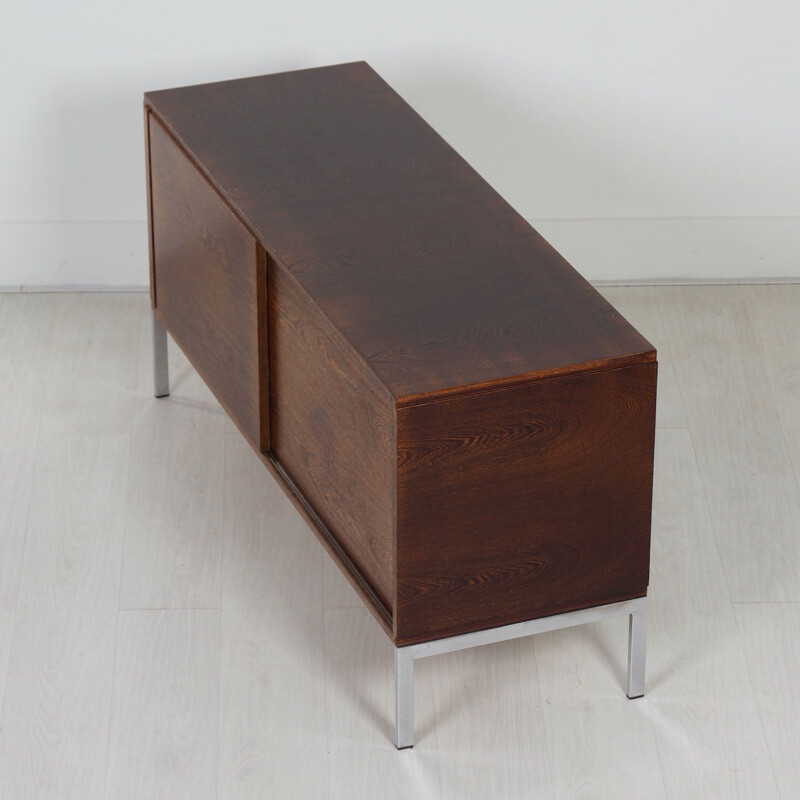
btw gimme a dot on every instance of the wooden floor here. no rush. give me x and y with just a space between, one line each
170 628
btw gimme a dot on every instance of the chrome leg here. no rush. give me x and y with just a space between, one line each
404 697
637 648
160 361
404 657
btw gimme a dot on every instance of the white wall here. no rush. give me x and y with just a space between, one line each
647 140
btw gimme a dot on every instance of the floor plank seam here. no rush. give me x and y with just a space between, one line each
758 706
795 461
542 701
116 630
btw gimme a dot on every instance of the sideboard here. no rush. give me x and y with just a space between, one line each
463 421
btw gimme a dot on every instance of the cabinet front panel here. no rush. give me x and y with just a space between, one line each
210 284
333 431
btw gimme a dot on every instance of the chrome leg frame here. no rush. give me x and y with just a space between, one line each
160 362
404 657
404 697
637 649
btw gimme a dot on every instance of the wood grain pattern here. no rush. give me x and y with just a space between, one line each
337 591
162 739
362 760
433 278
600 745
173 528
54 733
272 696
6 629
640 306
333 431
26 328
330 543
107 405
475 710
149 180
524 502
742 449
710 740
206 267
770 633
487 700
396 283
774 312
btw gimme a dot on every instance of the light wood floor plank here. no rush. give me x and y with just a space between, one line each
164 718
601 744
186 386
26 330
17 456
273 734
702 704
338 593
6 630
363 761
774 312
248 693
26 323
748 477
771 636
173 536
54 734
92 374
640 305
489 723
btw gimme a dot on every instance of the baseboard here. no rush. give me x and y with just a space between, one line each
141 289
699 282
679 250
74 287
112 256
86 288
57 255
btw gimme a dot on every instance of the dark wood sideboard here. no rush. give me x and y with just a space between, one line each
464 422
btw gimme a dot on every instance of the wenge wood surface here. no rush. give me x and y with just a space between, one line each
524 502
210 284
333 431
464 421
437 283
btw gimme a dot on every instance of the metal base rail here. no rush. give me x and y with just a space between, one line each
404 657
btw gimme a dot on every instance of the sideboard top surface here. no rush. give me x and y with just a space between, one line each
435 281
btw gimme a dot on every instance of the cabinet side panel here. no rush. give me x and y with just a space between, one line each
206 267
333 431
524 502
148 174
